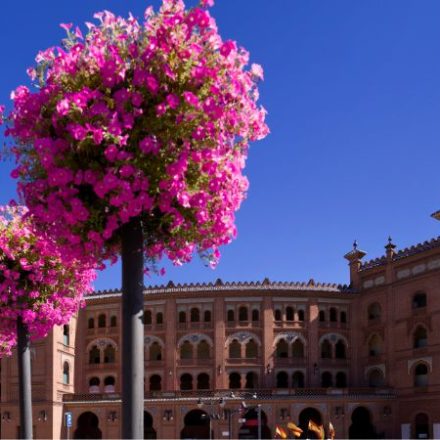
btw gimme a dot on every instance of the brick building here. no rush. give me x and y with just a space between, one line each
365 357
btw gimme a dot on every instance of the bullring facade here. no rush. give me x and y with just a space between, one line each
226 357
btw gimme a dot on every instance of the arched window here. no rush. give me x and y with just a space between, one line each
419 300
66 373
255 315
203 382
282 380
421 375
235 349
94 355
277 314
374 312
326 379
298 379
91 323
376 378
375 346
186 350
231 316
148 317
102 321
341 379
321 316
66 335
282 349
421 426
155 351
289 313
326 349
195 314
420 337
182 317
109 384
203 350
155 382
243 314
343 317
251 380
340 350
234 381
113 321
298 349
300 315
251 349
207 316
94 383
333 314
186 382
159 318
109 354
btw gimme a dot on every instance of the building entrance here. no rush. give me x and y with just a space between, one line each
149 431
249 429
196 425
361 426
309 415
88 426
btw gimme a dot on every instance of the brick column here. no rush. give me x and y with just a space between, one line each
219 343
312 344
267 342
170 346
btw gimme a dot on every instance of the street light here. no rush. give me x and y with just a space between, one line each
212 415
259 415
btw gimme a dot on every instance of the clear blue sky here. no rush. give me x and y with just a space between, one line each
353 94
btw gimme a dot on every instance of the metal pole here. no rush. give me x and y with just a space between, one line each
24 383
132 330
230 423
259 421
210 427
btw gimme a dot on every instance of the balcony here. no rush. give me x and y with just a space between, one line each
195 362
326 362
240 394
244 361
289 362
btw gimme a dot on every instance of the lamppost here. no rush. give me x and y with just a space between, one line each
212 415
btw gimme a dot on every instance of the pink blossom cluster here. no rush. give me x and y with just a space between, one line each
36 283
144 119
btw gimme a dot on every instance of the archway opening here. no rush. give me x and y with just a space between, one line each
361 426
87 426
149 431
249 429
421 426
195 425
376 378
306 416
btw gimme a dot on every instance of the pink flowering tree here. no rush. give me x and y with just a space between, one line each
38 289
36 284
138 126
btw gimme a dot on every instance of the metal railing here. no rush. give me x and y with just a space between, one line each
240 394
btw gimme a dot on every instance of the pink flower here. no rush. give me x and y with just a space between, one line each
161 109
111 153
172 101
257 71
227 47
149 144
191 99
207 3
